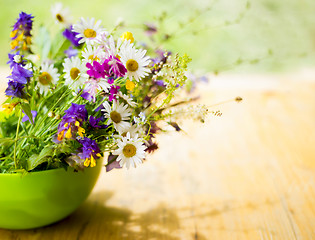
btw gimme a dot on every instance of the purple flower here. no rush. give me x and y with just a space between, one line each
113 91
159 83
98 70
26 118
94 122
20 74
71 122
117 68
77 112
24 23
15 89
100 107
12 62
110 80
71 36
87 96
89 151
112 163
71 52
150 29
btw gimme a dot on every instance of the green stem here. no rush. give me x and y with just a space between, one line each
16 138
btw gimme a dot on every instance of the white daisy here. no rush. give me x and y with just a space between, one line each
61 14
135 62
108 45
117 114
133 130
131 151
141 119
93 86
88 30
91 53
48 76
128 99
75 72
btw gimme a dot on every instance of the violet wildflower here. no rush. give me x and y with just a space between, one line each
26 118
21 33
97 81
117 68
15 89
95 121
112 163
71 52
160 83
113 92
89 151
20 74
24 23
72 121
97 70
150 29
110 80
71 36
16 59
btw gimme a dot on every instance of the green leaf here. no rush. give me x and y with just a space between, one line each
43 41
27 110
37 159
6 141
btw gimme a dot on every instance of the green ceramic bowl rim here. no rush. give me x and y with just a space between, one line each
37 172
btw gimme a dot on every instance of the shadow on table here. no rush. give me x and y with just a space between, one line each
95 220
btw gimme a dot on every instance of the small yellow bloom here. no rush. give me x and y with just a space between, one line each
68 133
14 44
13 33
60 135
93 162
87 162
20 37
99 155
8 108
81 131
77 124
130 85
28 40
24 47
127 36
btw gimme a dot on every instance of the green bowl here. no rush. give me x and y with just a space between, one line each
41 198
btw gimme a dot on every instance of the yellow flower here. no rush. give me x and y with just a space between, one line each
127 36
68 133
14 44
8 108
81 131
13 33
130 85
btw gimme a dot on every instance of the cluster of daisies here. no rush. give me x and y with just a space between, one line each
93 97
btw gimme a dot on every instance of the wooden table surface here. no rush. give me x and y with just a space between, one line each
249 174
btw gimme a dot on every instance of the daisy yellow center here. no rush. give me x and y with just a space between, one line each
115 116
45 78
132 65
74 73
89 33
59 17
93 58
129 150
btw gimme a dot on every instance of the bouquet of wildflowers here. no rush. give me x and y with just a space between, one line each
85 94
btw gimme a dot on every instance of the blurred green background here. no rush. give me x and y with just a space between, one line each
239 35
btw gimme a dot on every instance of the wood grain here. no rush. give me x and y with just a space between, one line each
249 174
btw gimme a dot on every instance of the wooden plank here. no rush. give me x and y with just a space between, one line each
249 174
